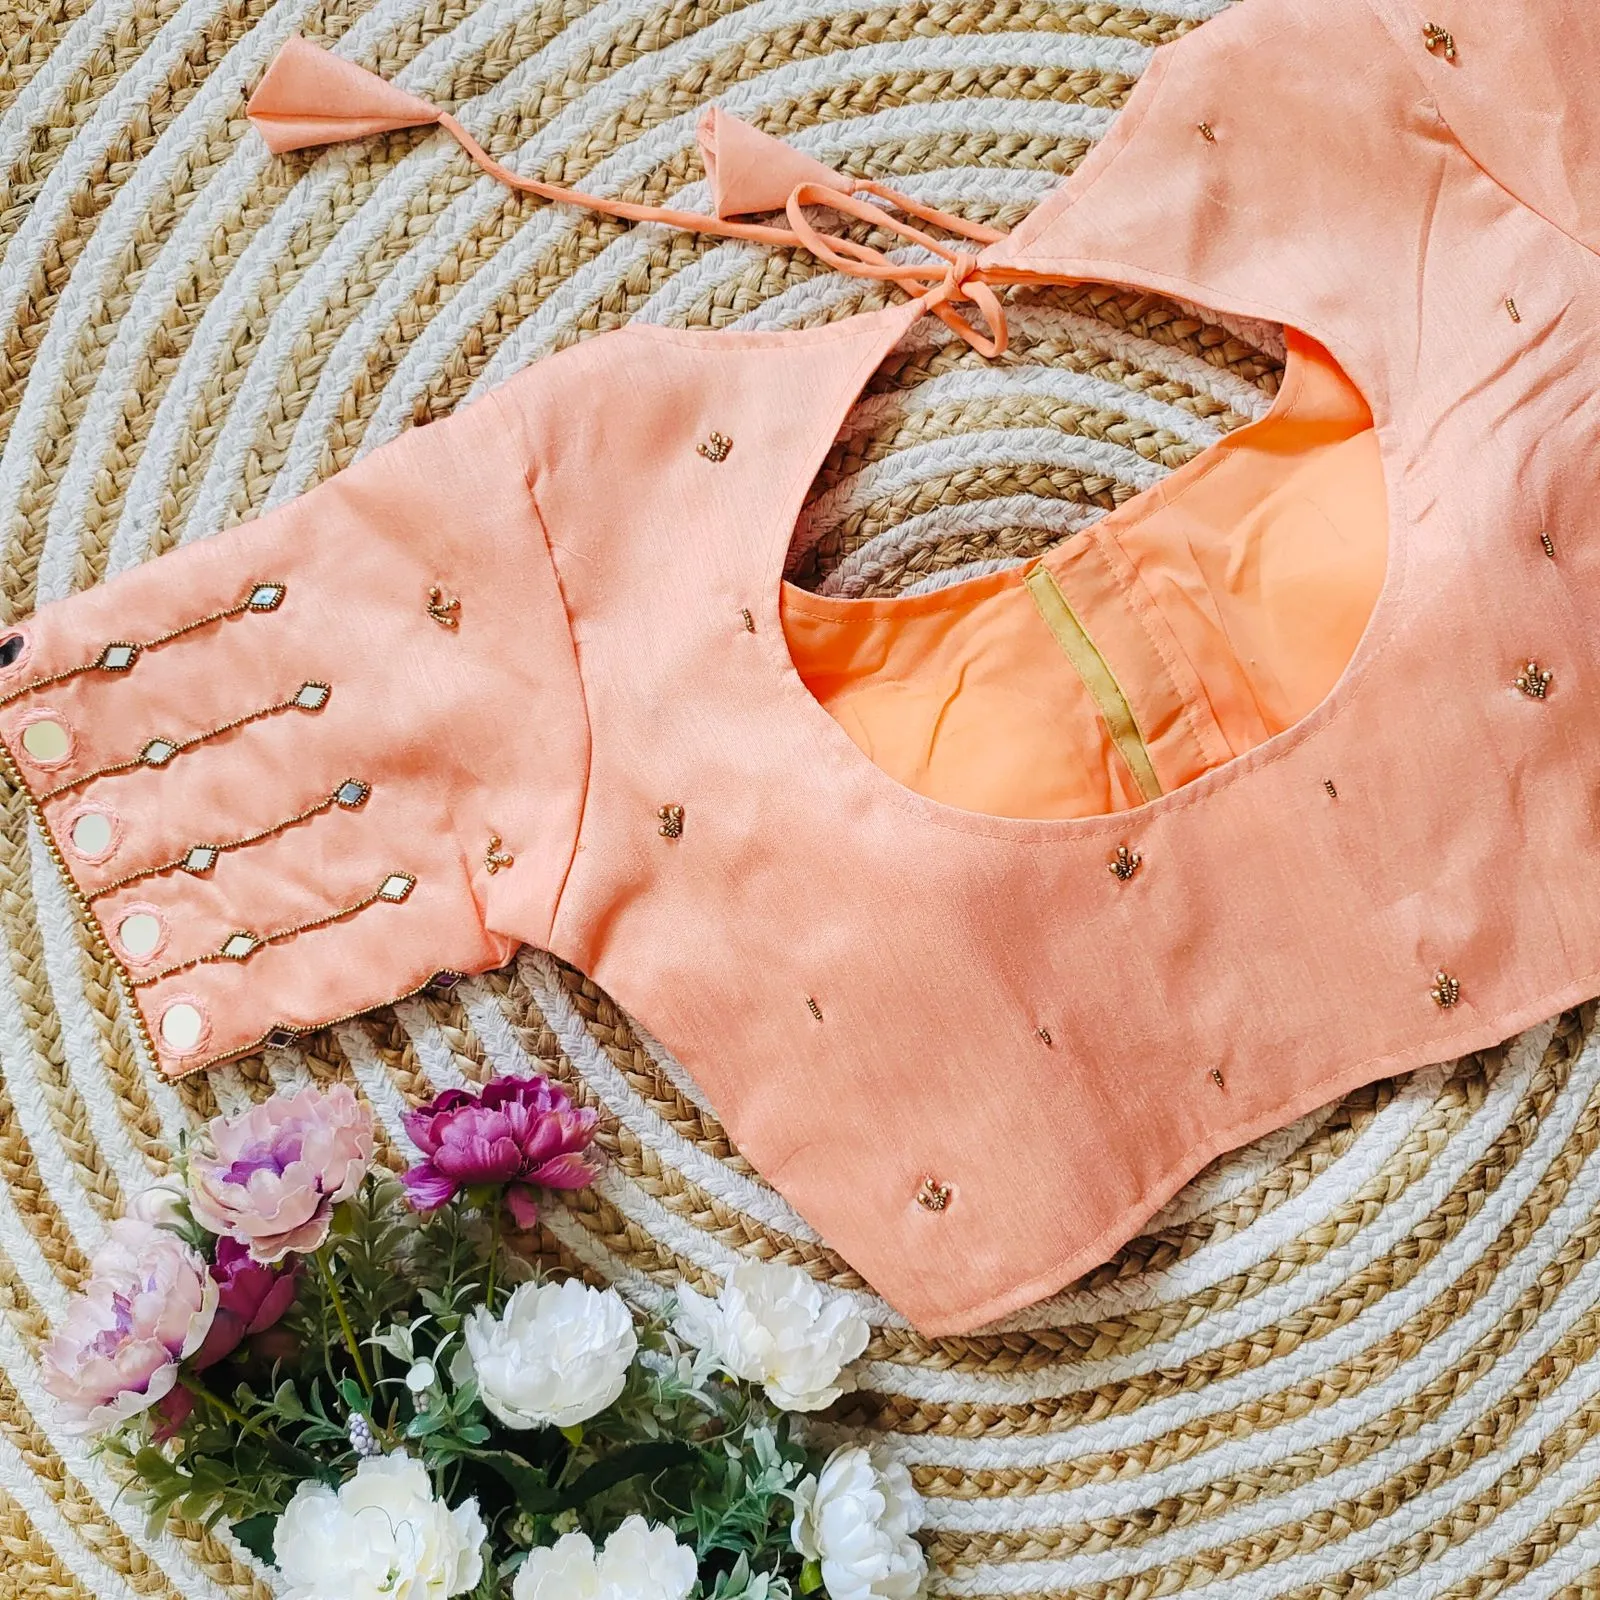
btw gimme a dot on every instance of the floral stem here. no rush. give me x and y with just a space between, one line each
350 1342
494 1253
210 1397
301 1459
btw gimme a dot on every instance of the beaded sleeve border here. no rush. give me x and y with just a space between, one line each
127 985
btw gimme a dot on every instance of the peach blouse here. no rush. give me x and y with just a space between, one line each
983 917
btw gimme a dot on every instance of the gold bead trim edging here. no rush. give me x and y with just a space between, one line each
1348 1360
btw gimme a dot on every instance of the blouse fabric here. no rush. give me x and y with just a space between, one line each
532 674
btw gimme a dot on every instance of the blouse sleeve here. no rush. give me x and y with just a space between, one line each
1520 88
297 769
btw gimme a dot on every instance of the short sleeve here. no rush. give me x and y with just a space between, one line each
296 770
1520 90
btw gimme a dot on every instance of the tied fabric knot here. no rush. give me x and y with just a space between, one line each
956 276
964 280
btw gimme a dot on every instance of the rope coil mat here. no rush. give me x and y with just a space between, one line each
1357 1356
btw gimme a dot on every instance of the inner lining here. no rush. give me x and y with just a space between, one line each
1185 627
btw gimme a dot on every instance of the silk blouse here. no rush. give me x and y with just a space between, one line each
983 918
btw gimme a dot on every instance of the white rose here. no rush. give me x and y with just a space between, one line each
773 1325
856 1519
557 1354
640 1561
381 1537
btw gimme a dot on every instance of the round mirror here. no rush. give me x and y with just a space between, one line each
182 1025
140 933
46 740
91 834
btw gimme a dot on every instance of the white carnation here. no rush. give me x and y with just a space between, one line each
556 1355
856 1519
773 1325
382 1536
640 1561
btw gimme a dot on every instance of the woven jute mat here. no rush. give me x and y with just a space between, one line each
1357 1356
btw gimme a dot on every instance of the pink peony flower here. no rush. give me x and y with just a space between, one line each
518 1135
149 1303
251 1298
280 1168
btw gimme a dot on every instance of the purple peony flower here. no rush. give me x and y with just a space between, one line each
251 1298
279 1169
519 1135
148 1304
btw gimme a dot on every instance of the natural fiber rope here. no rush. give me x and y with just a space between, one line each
1361 1355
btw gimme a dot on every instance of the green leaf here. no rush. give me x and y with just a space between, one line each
534 1494
810 1577
474 1433
657 1455
350 1393
255 1534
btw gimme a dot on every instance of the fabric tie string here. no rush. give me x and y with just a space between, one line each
309 96
958 278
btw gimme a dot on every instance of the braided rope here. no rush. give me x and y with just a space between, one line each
1361 1354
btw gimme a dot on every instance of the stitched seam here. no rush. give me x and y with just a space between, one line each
1128 122
588 721
514 428
790 503
1186 687
1432 101
1142 605
1325 714
1084 657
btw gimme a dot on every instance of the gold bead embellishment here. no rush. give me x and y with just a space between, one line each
1534 681
199 859
444 609
238 946
1548 543
1044 1035
715 448
814 1008
1446 990
1124 863
1511 310
933 1196
671 822
1333 793
494 858
1216 1077
1207 132
1437 38
120 655
749 621
159 751
242 945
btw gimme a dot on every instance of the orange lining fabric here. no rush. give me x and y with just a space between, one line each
1226 601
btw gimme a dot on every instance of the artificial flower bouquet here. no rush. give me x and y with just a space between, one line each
365 1379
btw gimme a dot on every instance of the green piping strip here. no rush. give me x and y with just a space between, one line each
1097 677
